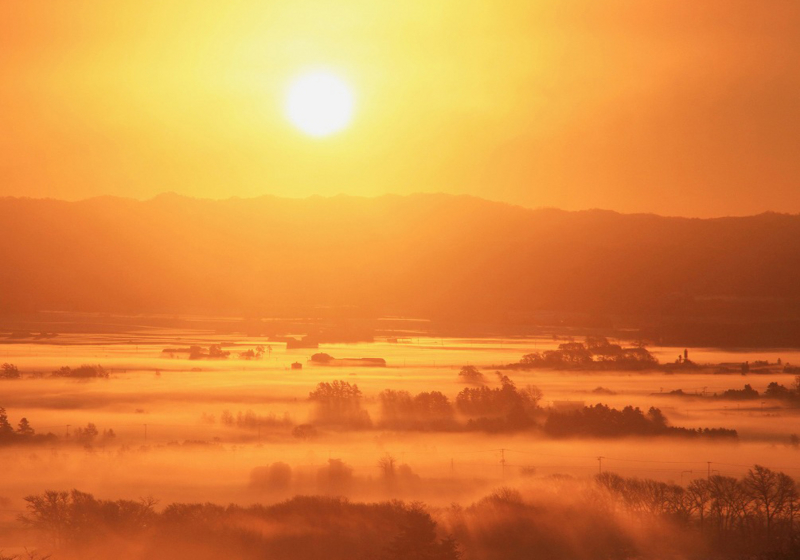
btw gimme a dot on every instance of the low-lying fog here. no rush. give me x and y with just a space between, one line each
224 430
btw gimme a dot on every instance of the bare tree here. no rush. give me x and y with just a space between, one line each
700 496
387 465
768 494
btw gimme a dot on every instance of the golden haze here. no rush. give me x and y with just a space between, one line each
670 107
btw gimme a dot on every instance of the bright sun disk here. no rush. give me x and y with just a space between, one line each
319 103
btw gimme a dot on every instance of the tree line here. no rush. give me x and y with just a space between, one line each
503 408
596 352
26 434
602 421
11 371
304 527
559 518
754 514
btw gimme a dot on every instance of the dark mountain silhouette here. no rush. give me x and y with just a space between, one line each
452 258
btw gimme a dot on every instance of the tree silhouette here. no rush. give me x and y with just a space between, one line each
339 402
417 539
771 493
24 428
470 374
9 371
87 435
386 464
6 430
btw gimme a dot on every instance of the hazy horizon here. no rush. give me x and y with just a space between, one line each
168 194
668 107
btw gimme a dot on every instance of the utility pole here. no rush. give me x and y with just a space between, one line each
600 465
503 462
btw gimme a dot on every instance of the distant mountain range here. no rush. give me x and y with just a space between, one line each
448 258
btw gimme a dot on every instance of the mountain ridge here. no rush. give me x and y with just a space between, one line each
452 257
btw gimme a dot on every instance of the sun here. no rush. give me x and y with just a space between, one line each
319 103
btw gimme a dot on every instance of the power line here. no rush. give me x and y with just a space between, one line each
656 461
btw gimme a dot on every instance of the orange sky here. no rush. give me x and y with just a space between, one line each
670 106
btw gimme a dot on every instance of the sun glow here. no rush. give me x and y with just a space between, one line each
319 103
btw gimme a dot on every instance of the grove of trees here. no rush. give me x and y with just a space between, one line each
595 353
302 528
339 403
602 421
23 434
560 518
